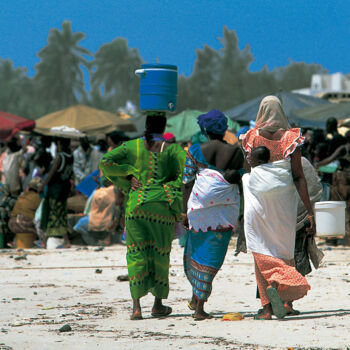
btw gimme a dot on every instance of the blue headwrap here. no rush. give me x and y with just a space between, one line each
214 122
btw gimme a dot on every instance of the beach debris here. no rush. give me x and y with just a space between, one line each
233 316
123 278
65 328
18 298
21 257
98 271
98 249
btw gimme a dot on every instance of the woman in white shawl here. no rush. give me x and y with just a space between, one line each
270 210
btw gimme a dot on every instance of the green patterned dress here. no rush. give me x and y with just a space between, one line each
150 211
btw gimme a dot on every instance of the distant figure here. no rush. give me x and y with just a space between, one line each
23 212
86 160
334 139
12 163
115 138
54 211
340 189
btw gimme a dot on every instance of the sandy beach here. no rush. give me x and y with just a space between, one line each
41 291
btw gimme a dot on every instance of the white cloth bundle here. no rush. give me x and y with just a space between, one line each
270 209
214 203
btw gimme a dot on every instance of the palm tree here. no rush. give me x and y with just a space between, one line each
18 92
59 77
115 64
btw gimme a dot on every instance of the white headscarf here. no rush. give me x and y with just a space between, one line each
271 116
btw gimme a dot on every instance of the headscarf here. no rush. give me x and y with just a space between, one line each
271 116
169 137
214 122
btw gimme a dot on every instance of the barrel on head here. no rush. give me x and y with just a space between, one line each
158 87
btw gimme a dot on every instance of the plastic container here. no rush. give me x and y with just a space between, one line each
158 87
54 242
25 240
330 218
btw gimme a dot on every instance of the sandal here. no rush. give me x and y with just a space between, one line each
189 305
276 302
291 311
167 311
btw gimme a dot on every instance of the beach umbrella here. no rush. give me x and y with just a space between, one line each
10 124
318 115
184 125
88 120
290 102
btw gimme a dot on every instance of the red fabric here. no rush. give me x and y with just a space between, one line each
291 284
10 124
279 149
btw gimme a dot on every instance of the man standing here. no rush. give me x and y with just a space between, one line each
86 160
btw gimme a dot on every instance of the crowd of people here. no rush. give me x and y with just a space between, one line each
149 190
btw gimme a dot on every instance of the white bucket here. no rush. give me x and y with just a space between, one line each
330 218
54 242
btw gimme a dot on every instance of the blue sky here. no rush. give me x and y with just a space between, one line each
301 30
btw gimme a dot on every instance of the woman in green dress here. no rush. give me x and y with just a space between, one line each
149 171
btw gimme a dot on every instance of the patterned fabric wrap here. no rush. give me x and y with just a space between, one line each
203 257
291 284
279 149
150 211
7 202
195 157
54 217
148 239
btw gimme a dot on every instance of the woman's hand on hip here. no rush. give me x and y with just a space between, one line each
135 184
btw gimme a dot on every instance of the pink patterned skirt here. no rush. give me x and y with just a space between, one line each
291 284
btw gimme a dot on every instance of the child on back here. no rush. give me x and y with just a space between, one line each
259 155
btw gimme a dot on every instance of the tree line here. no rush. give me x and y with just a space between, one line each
220 79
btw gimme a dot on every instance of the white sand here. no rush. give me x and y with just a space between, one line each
61 287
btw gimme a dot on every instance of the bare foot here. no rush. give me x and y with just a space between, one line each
265 313
136 315
289 309
160 310
201 315
136 310
263 316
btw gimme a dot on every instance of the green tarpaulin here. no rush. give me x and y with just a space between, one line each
184 125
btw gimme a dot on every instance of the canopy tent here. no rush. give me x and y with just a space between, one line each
88 120
10 124
290 102
318 115
184 125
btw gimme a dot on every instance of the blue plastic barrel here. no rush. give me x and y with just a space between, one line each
158 87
